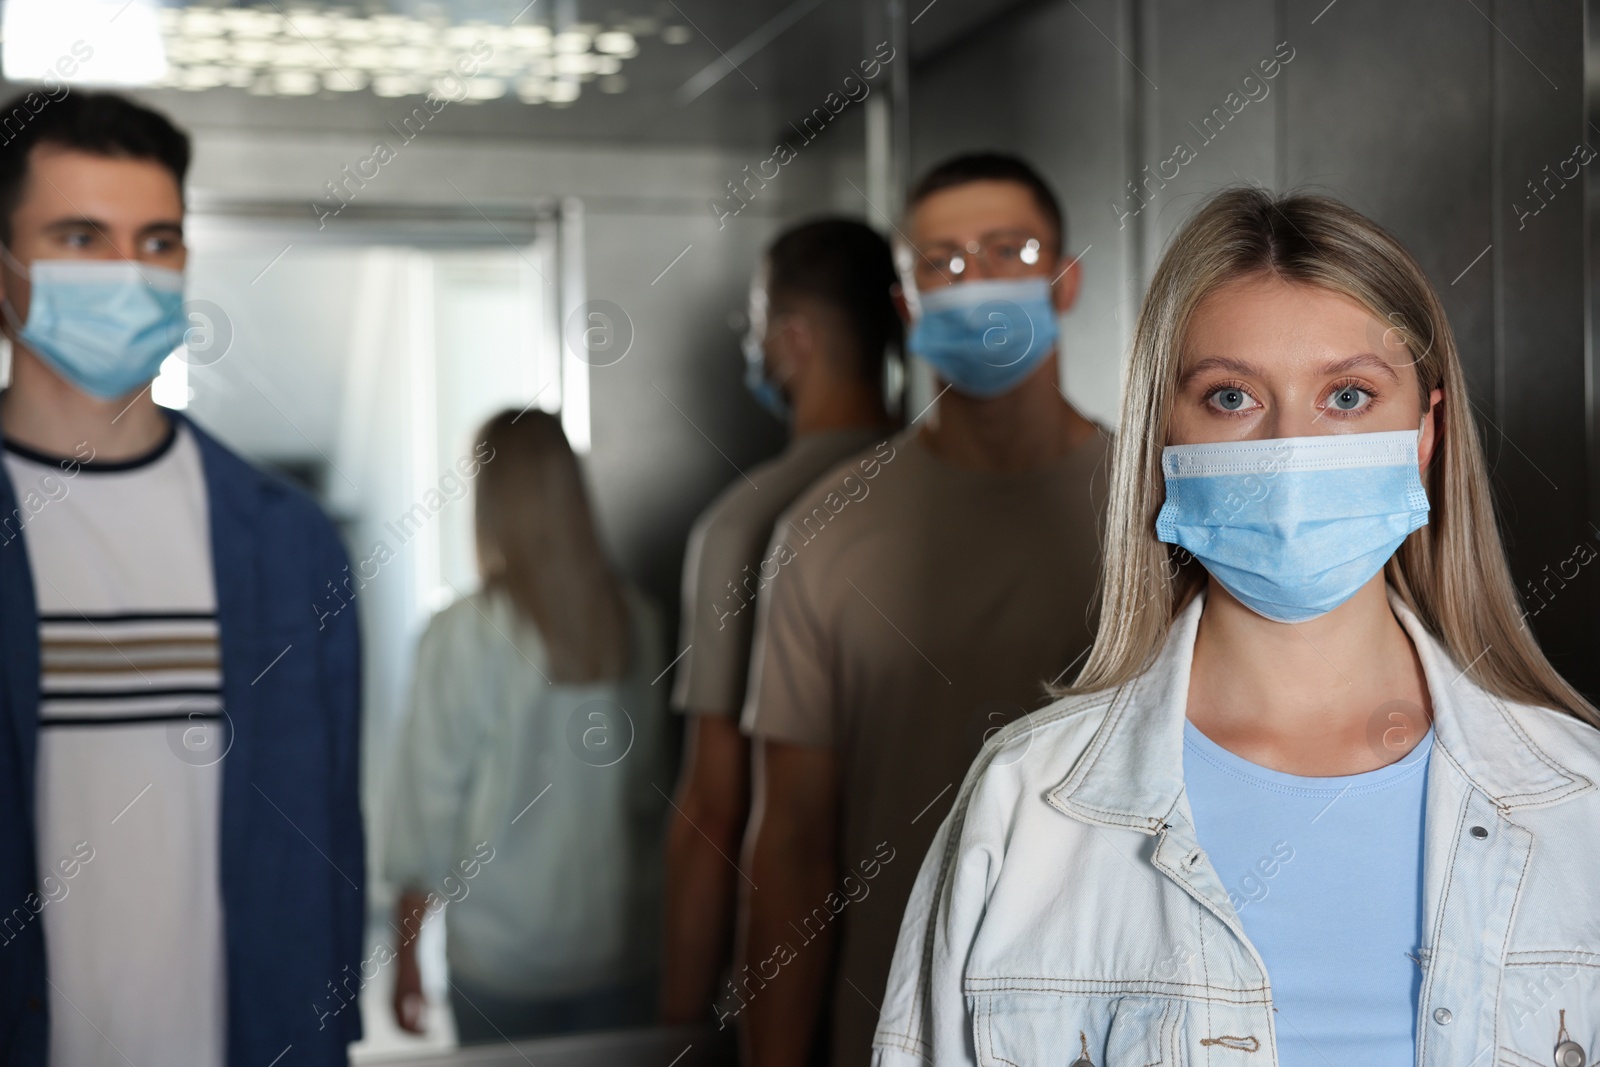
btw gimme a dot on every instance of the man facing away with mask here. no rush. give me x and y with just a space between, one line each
181 857
821 317
918 620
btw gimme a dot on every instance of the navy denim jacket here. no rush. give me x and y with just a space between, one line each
292 853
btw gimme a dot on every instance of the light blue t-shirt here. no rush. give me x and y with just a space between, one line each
1326 877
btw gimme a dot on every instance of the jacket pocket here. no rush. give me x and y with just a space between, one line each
1018 1028
1549 1001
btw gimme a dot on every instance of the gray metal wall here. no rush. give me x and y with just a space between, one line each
1431 116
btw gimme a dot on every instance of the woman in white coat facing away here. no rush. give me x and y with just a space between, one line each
521 795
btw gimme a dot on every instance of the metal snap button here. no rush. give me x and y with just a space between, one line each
1569 1054
1442 1016
1479 832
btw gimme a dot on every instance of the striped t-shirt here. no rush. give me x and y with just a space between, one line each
132 735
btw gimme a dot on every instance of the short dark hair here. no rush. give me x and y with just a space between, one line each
104 124
847 265
993 167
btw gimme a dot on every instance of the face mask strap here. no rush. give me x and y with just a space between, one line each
7 308
12 261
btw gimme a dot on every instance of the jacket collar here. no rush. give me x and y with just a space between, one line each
1132 772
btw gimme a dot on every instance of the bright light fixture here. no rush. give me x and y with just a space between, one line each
249 22
354 30
344 81
296 82
203 22
531 38
485 89
48 39
571 42
395 85
573 63
310 25
294 48
199 78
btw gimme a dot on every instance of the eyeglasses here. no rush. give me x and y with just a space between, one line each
1002 254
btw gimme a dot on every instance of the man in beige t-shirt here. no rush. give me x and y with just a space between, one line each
916 613
821 318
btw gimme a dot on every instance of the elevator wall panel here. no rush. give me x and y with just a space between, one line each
1456 125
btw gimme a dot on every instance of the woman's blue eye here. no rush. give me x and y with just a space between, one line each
1348 398
1231 399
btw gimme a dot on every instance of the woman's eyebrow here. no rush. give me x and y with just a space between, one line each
1362 359
1216 363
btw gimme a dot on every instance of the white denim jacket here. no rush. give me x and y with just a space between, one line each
1066 909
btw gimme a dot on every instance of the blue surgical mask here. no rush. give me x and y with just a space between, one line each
1292 527
103 325
756 379
984 337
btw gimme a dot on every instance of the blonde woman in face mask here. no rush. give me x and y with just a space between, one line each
1317 796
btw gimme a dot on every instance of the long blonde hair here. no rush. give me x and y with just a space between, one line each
1452 572
537 542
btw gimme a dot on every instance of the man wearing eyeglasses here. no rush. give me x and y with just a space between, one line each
919 620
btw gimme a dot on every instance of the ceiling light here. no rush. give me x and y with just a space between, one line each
389 27
345 81
571 41
309 24
354 30
614 42
531 38
47 37
201 22
481 88
203 78
199 50
573 64
306 50
252 52
395 84
408 58
676 34
249 22
296 82
297 55
464 36
366 57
